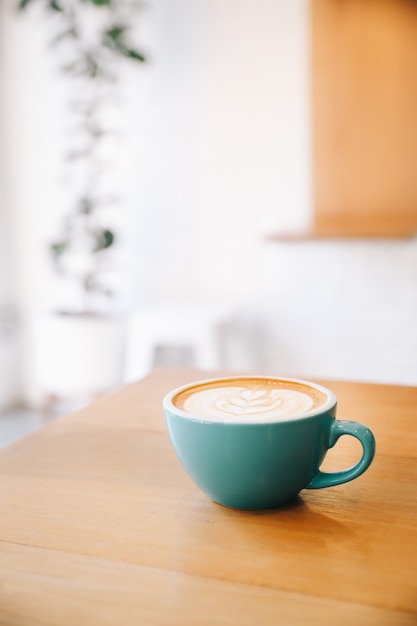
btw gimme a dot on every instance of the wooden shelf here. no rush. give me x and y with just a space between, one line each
371 231
364 102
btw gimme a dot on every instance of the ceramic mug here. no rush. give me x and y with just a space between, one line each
255 442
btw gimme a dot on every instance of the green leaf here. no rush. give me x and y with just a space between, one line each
104 239
115 33
114 38
58 248
53 4
133 54
88 65
101 3
23 4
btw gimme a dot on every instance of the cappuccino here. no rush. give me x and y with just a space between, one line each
249 400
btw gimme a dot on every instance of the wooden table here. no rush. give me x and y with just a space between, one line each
99 524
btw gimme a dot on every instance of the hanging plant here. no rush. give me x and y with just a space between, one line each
91 41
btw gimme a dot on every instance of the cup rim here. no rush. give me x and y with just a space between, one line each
328 404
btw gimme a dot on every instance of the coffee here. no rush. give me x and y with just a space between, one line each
254 442
249 400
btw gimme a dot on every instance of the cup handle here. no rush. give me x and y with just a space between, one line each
365 436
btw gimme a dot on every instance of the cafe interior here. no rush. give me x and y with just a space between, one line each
233 188
193 190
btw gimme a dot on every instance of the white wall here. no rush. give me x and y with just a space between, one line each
10 354
10 381
28 129
220 141
224 159
216 156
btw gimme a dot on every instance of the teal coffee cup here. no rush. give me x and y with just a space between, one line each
255 442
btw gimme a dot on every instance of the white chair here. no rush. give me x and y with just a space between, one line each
195 326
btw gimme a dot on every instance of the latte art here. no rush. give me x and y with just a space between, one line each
249 400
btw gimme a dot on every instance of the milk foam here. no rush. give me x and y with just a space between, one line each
250 401
241 402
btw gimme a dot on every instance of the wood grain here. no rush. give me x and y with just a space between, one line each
98 522
364 99
47 587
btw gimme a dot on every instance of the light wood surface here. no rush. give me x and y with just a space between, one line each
99 524
364 102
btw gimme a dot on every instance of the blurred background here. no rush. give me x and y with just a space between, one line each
235 184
